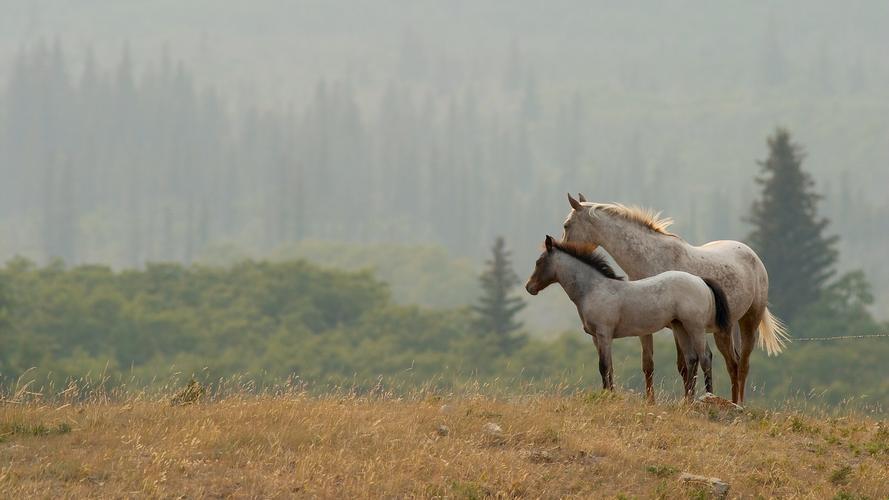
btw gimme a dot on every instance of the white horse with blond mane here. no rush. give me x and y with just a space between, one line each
639 242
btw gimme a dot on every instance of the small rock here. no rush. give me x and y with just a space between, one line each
718 486
442 430
493 434
541 457
493 429
585 458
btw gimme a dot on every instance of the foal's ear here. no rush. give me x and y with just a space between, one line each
581 197
574 203
548 243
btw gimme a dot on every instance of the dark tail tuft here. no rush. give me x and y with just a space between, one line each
723 315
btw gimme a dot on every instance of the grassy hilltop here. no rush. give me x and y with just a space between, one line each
431 446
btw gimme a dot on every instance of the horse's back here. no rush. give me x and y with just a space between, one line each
736 268
735 251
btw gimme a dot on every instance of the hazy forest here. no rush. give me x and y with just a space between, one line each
364 156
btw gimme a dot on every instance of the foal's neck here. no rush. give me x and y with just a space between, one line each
577 278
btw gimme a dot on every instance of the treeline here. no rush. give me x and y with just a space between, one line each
127 167
136 163
272 321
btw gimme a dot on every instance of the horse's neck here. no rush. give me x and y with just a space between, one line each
579 280
641 252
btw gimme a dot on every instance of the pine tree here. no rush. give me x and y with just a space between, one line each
787 232
497 308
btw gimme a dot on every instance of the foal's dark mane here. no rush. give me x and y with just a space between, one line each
588 255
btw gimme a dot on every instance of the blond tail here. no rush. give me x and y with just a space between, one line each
773 334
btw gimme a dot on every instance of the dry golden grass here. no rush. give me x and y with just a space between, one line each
590 445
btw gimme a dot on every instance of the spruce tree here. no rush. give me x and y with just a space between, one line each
787 232
497 308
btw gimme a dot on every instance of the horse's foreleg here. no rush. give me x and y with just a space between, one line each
729 352
647 342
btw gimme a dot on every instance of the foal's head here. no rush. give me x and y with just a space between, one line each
545 268
544 273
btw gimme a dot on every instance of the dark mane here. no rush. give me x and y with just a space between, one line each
587 254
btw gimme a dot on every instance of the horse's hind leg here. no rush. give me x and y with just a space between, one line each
729 352
648 365
749 322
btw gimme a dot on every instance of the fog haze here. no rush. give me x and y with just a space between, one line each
152 131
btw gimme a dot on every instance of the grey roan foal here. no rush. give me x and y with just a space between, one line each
612 308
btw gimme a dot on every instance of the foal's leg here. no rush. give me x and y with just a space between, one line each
648 365
729 350
603 343
599 353
705 356
691 358
680 358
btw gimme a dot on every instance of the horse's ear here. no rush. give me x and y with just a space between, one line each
574 203
548 243
581 197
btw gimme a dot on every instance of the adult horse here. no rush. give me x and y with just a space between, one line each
639 242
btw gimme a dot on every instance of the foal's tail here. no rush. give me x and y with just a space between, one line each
772 333
723 318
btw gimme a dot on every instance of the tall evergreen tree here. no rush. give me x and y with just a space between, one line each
787 232
497 307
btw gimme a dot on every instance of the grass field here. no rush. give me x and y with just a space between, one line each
592 445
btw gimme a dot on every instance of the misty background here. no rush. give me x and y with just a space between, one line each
207 131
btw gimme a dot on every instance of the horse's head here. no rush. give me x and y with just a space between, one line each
582 223
544 273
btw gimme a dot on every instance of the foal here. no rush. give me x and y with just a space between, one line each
612 308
